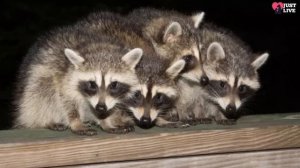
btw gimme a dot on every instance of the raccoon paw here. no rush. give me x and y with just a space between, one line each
191 122
120 130
90 123
57 127
226 122
204 121
85 131
176 125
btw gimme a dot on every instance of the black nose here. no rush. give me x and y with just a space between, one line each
101 107
204 81
230 108
145 122
101 111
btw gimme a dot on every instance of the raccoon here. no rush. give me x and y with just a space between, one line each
173 36
231 67
156 75
159 94
69 77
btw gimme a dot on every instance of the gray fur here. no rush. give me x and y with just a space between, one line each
45 95
152 68
236 65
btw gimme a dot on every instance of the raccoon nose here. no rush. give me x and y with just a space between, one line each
145 122
230 108
101 108
204 81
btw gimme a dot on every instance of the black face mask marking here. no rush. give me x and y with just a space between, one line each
245 91
136 100
117 89
191 63
218 88
162 101
88 88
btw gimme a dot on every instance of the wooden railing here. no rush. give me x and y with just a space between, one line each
256 141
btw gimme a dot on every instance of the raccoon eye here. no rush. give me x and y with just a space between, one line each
188 58
88 87
114 85
222 84
243 89
159 98
137 94
91 85
190 61
117 89
137 99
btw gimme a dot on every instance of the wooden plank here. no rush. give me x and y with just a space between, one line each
87 150
267 159
32 135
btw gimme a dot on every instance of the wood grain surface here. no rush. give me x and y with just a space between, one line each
262 159
44 148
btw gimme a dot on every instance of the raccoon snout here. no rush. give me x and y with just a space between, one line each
230 108
204 81
145 122
101 110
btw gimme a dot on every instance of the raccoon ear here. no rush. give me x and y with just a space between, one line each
260 60
215 52
74 57
172 32
133 57
197 19
174 70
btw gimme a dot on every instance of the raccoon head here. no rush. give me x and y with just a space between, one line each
173 38
179 41
233 77
157 96
103 90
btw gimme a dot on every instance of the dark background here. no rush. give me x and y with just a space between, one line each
254 22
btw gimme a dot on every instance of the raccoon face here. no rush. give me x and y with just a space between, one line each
231 82
157 96
180 42
104 90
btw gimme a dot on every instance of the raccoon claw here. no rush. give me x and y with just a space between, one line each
90 123
86 131
121 130
176 125
57 127
226 122
204 121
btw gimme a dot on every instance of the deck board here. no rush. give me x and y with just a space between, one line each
41 147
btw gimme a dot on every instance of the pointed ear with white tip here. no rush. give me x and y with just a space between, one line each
174 70
173 31
197 19
215 52
74 57
133 57
260 60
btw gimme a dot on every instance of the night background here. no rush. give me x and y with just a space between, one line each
22 22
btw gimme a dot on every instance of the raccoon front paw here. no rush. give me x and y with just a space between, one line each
226 122
120 130
190 122
85 131
57 127
204 121
176 125
90 123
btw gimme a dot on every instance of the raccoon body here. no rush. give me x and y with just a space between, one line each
69 77
156 74
174 38
232 71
